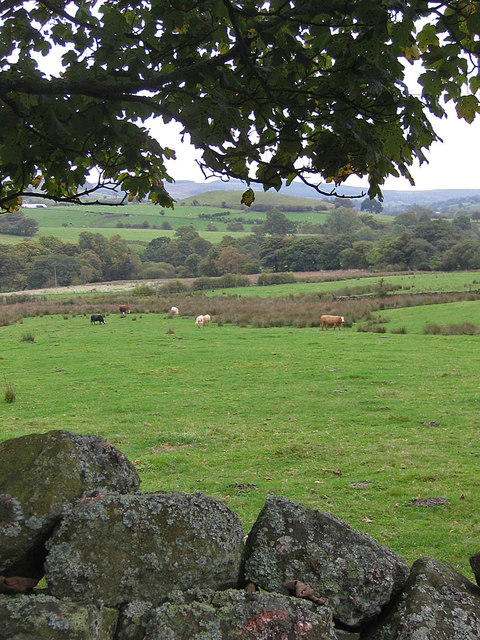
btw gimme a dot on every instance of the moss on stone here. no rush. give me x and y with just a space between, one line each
40 475
352 571
228 615
143 546
42 617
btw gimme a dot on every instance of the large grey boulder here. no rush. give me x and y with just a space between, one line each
231 615
39 475
143 546
42 617
437 603
352 571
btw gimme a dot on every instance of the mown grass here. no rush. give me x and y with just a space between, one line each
295 412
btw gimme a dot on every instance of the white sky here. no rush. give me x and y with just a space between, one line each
453 163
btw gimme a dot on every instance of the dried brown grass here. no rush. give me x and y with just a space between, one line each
301 310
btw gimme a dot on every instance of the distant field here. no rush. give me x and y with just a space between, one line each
67 222
408 283
415 319
294 412
71 234
271 198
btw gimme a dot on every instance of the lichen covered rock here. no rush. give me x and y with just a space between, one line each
142 546
39 475
352 571
42 617
230 615
437 603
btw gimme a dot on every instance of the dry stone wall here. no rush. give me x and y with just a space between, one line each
121 564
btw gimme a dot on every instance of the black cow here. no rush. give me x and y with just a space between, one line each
97 318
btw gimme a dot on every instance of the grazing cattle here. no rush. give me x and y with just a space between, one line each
206 319
174 311
331 321
124 309
97 318
199 321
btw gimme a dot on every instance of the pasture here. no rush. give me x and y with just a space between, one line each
68 221
357 424
419 282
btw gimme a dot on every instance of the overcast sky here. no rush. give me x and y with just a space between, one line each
453 163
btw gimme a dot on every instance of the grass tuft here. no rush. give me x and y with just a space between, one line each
9 394
463 329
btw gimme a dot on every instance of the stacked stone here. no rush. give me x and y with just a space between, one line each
120 564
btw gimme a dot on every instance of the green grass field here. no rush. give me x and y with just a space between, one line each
295 412
67 222
406 283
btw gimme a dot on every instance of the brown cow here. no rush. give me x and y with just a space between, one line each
331 321
124 309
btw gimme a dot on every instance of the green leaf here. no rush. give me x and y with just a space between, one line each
427 36
248 197
467 108
473 23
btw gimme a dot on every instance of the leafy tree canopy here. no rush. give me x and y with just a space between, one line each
268 91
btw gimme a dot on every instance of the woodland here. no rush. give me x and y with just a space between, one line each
348 239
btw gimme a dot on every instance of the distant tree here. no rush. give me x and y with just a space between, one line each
462 255
208 266
345 203
372 221
235 226
371 206
53 269
462 222
356 256
156 249
230 260
421 211
407 219
270 252
190 269
311 228
15 223
119 262
342 221
96 242
154 270
91 269
420 254
303 254
200 246
439 233
278 224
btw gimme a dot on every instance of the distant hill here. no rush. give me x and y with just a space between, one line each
392 199
263 200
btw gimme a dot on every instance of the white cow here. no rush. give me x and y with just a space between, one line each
174 311
199 321
206 318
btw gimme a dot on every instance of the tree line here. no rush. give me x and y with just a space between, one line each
347 240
